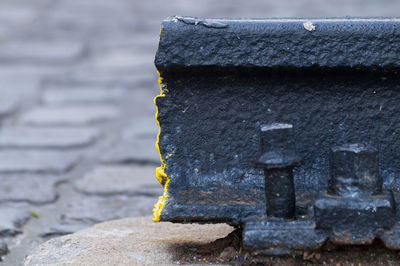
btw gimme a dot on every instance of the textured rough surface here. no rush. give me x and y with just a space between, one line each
364 213
227 118
283 43
282 237
126 242
321 81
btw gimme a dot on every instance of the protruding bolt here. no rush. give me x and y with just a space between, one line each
277 146
354 171
276 136
278 159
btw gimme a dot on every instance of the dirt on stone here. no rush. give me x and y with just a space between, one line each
228 251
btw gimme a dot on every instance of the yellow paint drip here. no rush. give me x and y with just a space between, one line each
160 204
160 173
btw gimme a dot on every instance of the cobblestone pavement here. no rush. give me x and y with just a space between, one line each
76 106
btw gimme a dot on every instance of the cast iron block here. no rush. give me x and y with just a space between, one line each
391 237
354 220
221 79
281 237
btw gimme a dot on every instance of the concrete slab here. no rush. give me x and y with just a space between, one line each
132 241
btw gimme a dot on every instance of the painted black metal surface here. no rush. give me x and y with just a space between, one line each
334 81
279 43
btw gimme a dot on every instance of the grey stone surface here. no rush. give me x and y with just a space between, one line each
15 13
30 74
135 145
132 151
46 137
72 115
36 161
41 52
36 189
133 241
120 59
101 76
3 248
96 209
127 180
13 94
81 95
143 100
62 229
17 87
12 220
8 105
3 31
142 127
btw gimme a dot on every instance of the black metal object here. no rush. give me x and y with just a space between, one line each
278 160
328 82
355 209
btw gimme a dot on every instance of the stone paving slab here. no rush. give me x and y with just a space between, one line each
47 137
3 31
120 180
36 161
137 150
71 115
132 241
12 220
81 95
136 144
8 105
99 77
35 189
12 12
13 94
62 229
27 75
41 52
97 209
121 59
18 87
142 127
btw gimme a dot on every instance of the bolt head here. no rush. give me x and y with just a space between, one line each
277 146
355 170
276 137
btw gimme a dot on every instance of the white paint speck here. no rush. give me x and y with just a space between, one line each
308 26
